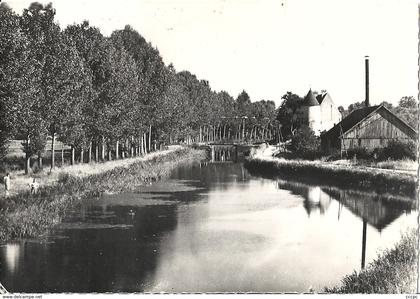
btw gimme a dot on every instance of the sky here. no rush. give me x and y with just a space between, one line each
269 47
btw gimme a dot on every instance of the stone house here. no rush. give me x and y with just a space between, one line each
319 113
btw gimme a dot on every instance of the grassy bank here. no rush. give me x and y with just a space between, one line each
24 215
372 179
394 271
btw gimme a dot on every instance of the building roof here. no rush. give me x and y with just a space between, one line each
360 114
310 99
321 97
349 121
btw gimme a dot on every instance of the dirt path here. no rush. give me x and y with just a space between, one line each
20 182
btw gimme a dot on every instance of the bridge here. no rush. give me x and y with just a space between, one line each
228 152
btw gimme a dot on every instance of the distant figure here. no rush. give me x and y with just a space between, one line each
34 186
6 181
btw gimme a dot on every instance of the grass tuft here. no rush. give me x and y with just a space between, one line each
393 271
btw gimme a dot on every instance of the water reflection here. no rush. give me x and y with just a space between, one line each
374 209
12 253
377 210
315 197
211 227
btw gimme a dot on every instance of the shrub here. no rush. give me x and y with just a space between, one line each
305 144
359 153
399 150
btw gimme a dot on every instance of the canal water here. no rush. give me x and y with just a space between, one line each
209 228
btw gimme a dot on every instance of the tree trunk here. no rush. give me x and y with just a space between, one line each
150 138
131 147
39 160
243 131
144 143
72 155
81 156
103 149
123 150
117 155
27 156
53 151
90 152
141 144
96 151
214 133
62 155
28 163
109 155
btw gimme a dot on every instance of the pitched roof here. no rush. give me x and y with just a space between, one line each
358 115
350 120
321 97
310 99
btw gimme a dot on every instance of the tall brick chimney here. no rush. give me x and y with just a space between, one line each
367 81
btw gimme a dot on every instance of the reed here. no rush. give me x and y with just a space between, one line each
393 271
24 215
367 178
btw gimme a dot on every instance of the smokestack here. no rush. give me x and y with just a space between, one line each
367 81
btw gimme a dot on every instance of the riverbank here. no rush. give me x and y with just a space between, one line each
341 175
393 271
48 177
23 215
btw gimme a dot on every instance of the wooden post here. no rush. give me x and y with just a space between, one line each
364 244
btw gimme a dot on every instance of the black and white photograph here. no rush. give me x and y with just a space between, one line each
209 147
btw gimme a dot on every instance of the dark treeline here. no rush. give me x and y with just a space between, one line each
107 97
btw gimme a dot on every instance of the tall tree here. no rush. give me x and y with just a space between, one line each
287 113
19 87
64 83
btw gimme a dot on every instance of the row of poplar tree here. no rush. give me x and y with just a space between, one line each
107 97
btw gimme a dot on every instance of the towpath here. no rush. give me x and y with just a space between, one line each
20 181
